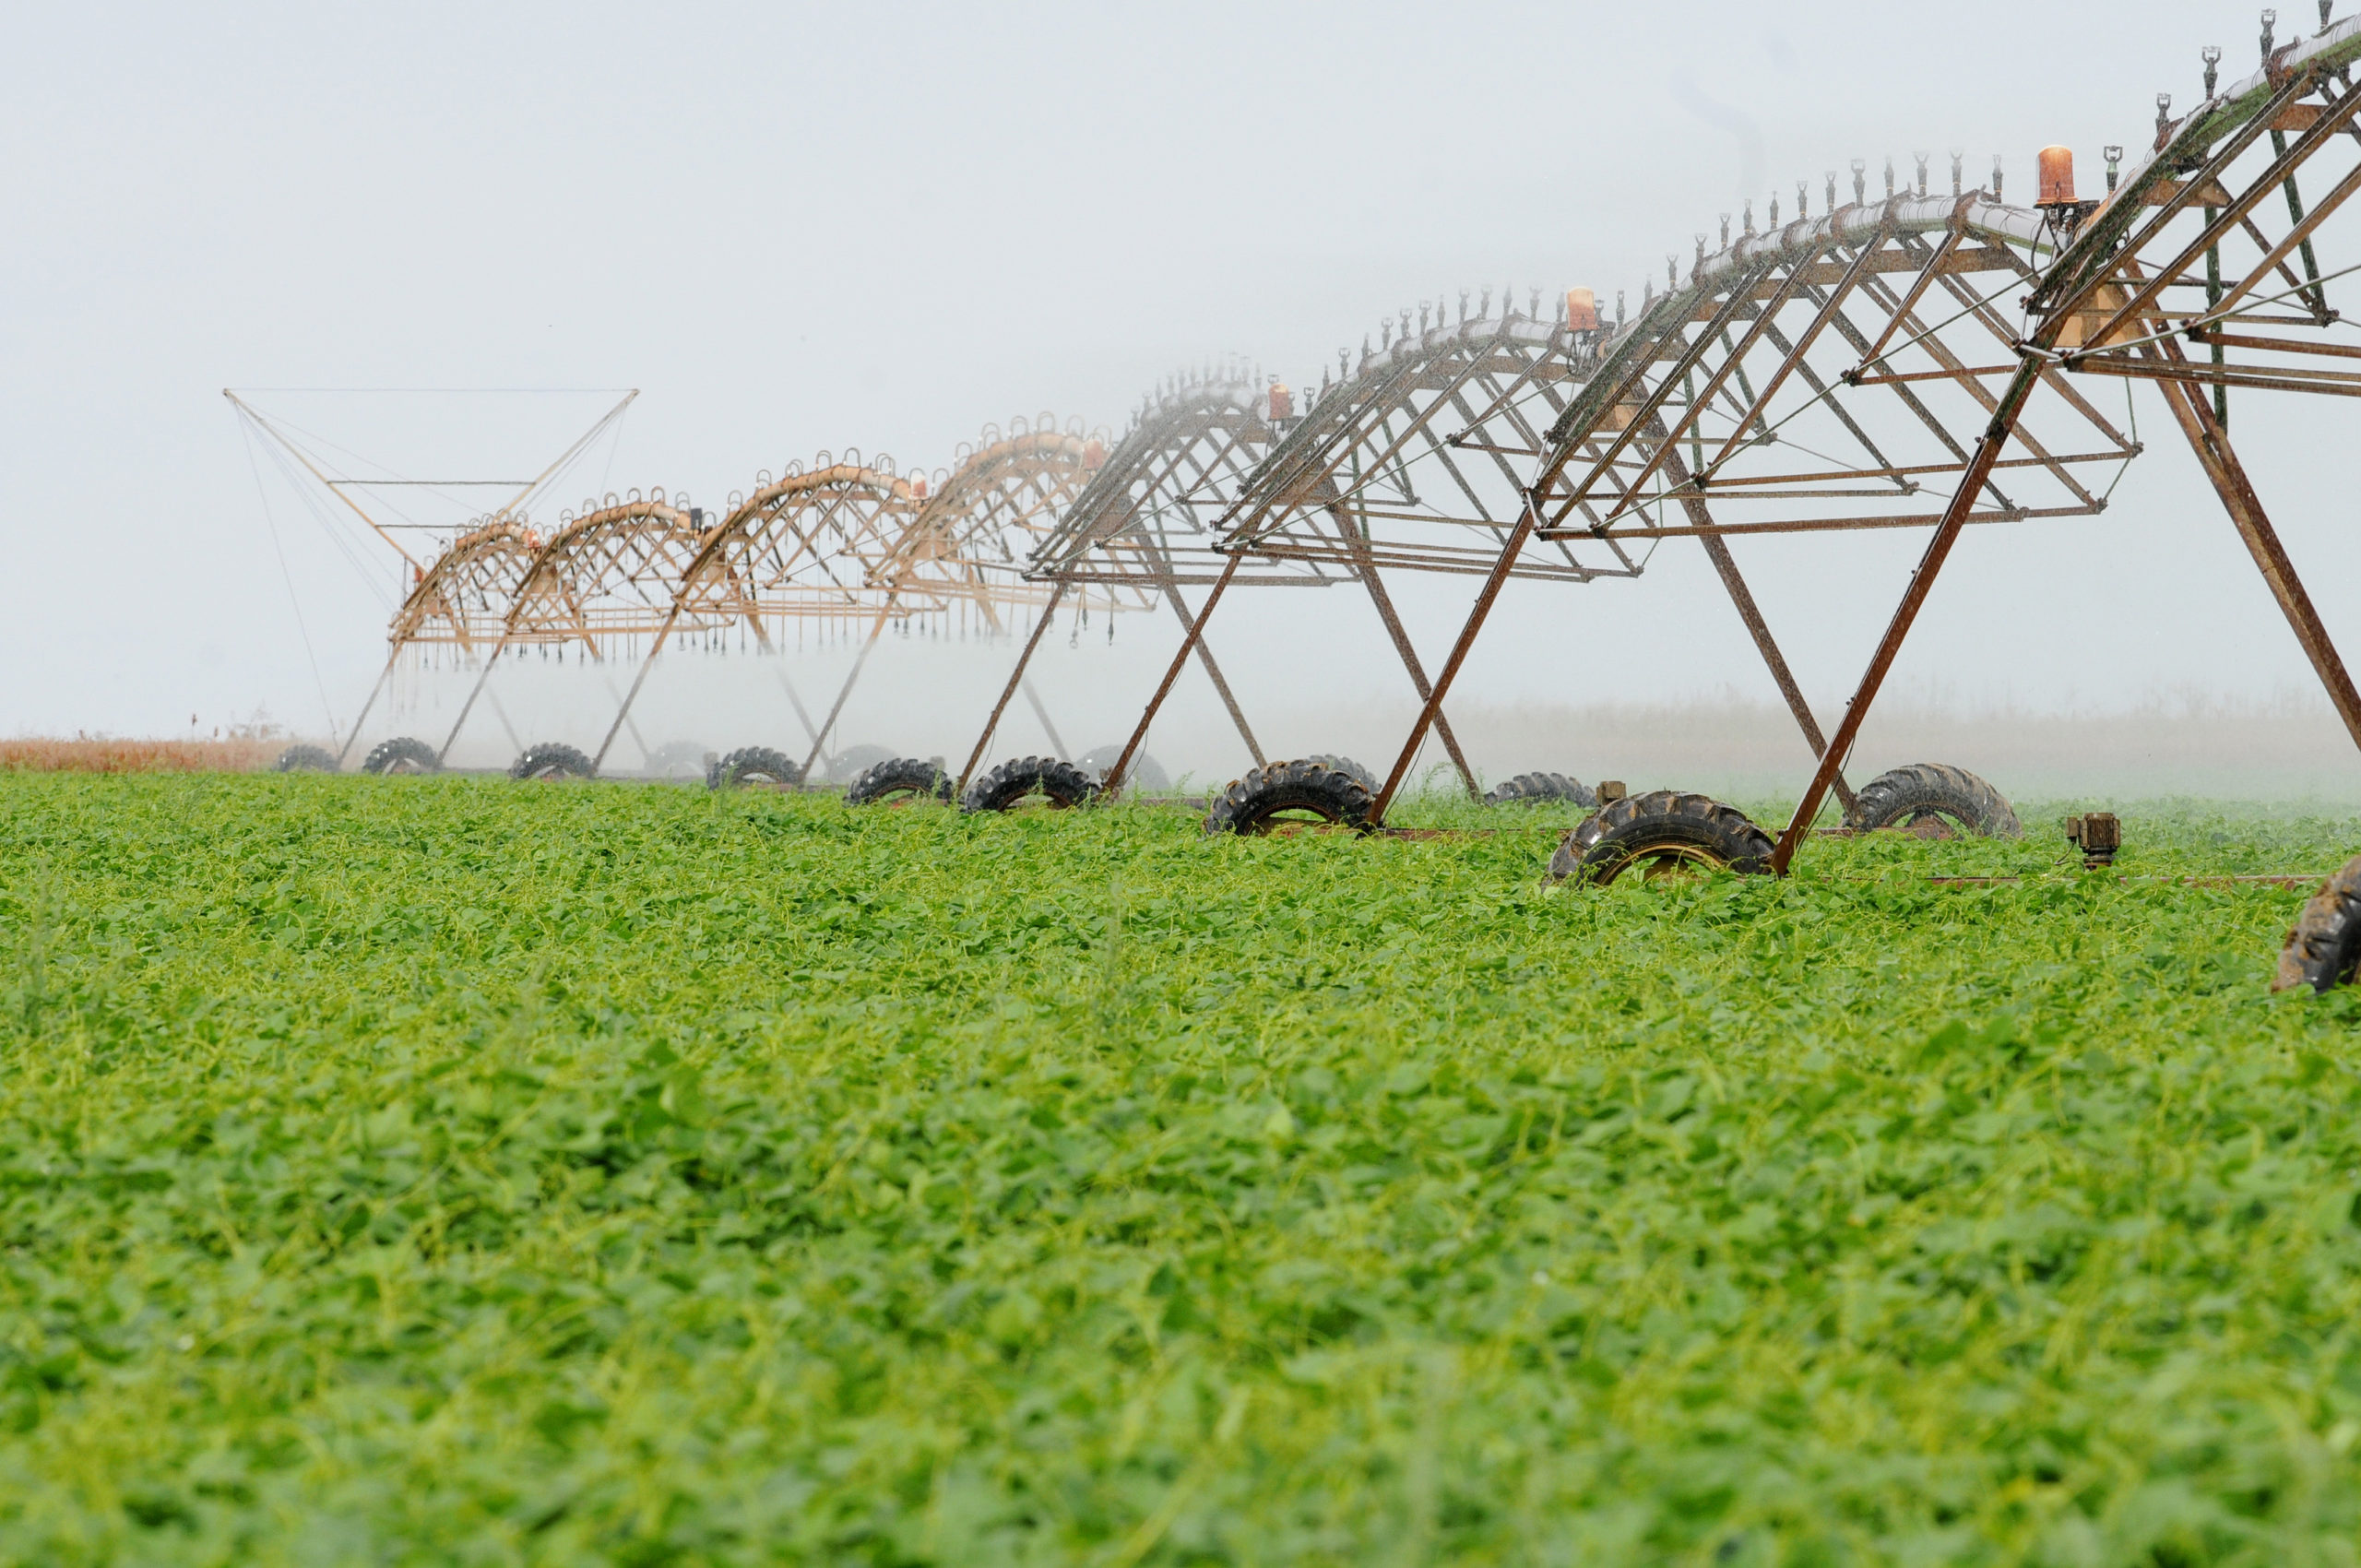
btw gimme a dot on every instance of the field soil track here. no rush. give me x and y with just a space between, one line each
441 1169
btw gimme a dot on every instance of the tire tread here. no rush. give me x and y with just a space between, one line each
1249 802
551 756
386 755
901 775
1607 842
1067 786
1539 789
751 765
1890 797
2322 946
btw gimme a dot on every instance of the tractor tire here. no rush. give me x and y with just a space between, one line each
1539 789
307 759
1658 832
1369 780
551 760
1933 800
754 767
1147 774
1008 785
899 782
2324 943
403 753
1250 805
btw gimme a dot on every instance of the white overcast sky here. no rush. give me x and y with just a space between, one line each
880 226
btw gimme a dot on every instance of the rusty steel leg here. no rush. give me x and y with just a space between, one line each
1365 564
1205 656
1016 677
793 701
1718 551
765 649
1041 712
1393 629
1719 554
1493 582
637 681
2212 444
821 738
353 734
646 753
501 713
1116 774
491 662
1922 580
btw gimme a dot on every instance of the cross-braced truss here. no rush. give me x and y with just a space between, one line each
1918 361
606 579
1828 375
608 574
1408 462
808 544
1152 523
1831 374
463 599
2201 247
847 539
1142 527
1002 499
1416 461
1151 514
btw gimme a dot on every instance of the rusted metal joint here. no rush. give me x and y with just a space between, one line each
2099 835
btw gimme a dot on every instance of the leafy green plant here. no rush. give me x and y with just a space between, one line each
439 1168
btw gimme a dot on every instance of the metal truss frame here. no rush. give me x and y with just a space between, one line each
1817 377
848 539
1143 528
2126 294
1453 405
1391 464
605 575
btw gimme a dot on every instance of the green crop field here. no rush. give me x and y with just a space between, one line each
423 1170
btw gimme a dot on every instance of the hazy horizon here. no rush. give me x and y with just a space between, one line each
805 228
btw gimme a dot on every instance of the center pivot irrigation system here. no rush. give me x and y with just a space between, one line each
1907 359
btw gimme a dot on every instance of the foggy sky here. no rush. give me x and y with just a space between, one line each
880 227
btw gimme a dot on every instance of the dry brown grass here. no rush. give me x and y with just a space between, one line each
112 754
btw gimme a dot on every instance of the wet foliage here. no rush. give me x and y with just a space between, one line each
428 1170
